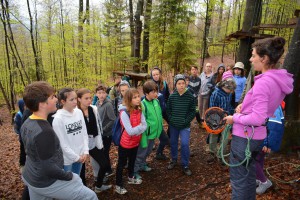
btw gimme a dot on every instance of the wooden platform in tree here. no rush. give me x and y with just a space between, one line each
134 77
244 34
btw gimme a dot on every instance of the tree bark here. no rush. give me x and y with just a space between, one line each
209 9
291 137
36 58
131 25
64 56
147 32
291 63
252 17
80 34
138 29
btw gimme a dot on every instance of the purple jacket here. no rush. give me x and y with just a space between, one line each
261 101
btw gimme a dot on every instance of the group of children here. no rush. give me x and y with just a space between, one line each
81 127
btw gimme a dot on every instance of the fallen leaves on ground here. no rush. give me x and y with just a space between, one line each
207 181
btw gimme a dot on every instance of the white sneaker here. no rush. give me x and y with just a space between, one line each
102 188
263 187
120 190
134 180
257 182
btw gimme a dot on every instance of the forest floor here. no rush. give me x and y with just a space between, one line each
207 181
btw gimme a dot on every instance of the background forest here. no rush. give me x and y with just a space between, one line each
78 43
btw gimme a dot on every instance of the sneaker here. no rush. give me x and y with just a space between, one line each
120 190
187 171
146 168
137 175
257 182
160 156
134 181
172 165
263 187
102 188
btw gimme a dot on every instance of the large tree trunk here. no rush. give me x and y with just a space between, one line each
138 29
147 32
209 9
131 25
252 17
292 64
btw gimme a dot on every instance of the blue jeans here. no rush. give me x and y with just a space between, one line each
242 178
75 168
185 144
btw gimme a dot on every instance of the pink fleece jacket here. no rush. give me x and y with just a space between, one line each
261 101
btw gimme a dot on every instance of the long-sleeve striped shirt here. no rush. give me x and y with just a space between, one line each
181 109
219 98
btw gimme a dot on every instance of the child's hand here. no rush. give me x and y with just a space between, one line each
229 119
266 149
238 108
84 157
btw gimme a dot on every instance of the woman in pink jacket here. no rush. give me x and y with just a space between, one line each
270 88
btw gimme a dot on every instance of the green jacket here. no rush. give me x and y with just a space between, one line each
181 109
153 115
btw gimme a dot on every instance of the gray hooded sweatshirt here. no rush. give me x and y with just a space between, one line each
107 115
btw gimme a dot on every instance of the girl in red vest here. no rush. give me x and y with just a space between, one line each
134 124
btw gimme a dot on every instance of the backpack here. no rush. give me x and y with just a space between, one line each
18 122
118 129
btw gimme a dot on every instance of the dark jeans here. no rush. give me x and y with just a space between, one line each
106 145
22 153
98 155
122 161
163 141
242 178
260 160
82 174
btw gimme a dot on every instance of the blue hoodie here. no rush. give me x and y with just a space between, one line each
18 116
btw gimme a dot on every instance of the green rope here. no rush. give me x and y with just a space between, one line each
280 180
225 134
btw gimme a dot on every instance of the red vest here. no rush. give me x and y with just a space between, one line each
131 141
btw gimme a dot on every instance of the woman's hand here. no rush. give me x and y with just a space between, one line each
238 108
266 149
229 119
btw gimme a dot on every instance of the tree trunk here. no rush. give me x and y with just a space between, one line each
209 9
252 18
9 34
36 58
138 29
10 101
291 137
223 47
131 25
147 32
220 18
64 56
80 34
